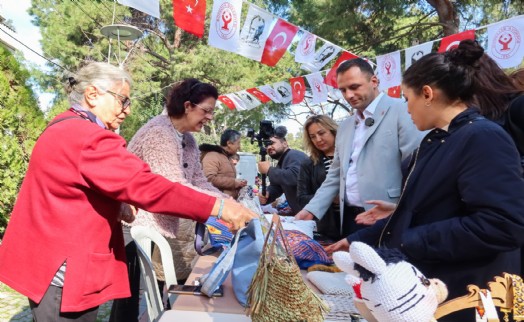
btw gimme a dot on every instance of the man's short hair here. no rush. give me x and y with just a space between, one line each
364 66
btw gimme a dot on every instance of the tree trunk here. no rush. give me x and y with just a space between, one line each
447 15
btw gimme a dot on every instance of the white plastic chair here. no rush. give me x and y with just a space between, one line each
143 236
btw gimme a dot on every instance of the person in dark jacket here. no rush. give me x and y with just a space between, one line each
460 216
320 132
283 178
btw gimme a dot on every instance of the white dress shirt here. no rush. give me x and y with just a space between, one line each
352 193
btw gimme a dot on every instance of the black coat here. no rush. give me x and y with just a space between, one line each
461 214
310 178
283 178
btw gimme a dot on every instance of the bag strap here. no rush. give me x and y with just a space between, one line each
218 274
62 119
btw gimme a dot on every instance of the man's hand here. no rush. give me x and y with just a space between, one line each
304 215
341 245
381 210
263 199
263 167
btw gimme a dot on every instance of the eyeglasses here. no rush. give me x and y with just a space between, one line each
207 110
124 100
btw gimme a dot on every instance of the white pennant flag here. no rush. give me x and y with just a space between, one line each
388 68
416 52
505 42
284 91
151 7
318 88
249 100
271 93
224 27
323 56
305 51
239 103
257 27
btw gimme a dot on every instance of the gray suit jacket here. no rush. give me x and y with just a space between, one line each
387 142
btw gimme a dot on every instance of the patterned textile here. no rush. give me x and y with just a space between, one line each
219 234
306 250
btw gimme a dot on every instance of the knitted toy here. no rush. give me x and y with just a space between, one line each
391 288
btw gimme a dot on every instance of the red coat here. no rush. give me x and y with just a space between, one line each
67 210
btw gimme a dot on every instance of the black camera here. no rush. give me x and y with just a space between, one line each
265 133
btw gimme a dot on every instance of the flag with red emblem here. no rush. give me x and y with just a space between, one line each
394 91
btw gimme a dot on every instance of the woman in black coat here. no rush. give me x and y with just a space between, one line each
319 139
460 216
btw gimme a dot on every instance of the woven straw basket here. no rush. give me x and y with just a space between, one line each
277 291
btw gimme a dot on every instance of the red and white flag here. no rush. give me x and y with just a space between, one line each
224 27
249 101
259 95
254 33
305 51
394 91
190 15
151 7
271 93
416 52
388 67
284 91
318 88
505 42
278 42
298 89
322 56
452 42
331 77
227 101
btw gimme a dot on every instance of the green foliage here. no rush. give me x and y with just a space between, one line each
21 122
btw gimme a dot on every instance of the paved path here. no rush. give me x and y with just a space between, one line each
15 307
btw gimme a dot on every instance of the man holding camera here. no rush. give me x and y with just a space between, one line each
283 178
369 149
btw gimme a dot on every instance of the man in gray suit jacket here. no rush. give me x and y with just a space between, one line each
369 148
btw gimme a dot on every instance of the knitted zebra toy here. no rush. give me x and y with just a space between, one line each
391 288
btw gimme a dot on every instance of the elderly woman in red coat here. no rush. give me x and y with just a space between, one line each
63 247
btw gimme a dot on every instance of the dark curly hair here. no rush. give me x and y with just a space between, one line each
190 89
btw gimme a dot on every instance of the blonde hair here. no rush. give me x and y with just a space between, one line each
101 75
327 123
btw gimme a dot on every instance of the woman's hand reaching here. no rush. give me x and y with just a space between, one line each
233 213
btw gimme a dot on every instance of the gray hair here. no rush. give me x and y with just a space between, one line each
229 135
101 75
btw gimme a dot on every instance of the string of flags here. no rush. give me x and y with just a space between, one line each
265 38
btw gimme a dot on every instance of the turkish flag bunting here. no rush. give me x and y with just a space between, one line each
278 41
298 89
190 15
394 91
258 94
451 42
227 101
331 77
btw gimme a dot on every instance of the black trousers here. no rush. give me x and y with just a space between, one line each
49 309
349 225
